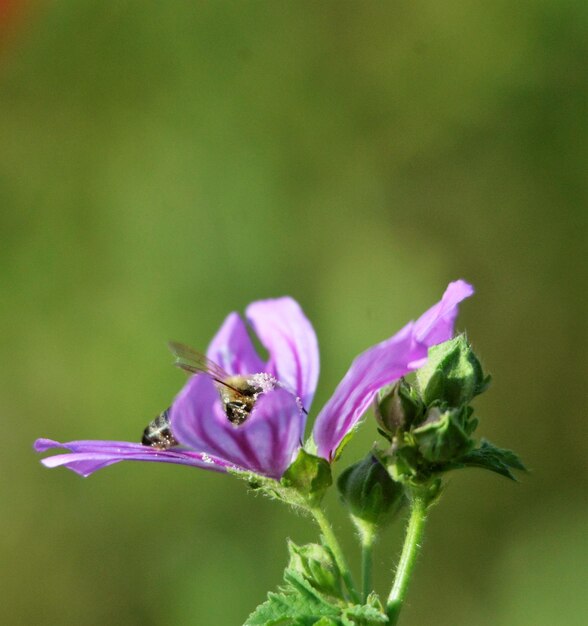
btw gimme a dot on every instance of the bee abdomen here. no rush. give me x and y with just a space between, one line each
237 412
158 433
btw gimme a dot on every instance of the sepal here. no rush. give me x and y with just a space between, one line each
309 476
445 435
311 446
346 439
303 484
403 463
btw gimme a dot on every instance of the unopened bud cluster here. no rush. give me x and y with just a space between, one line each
430 429
316 565
430 424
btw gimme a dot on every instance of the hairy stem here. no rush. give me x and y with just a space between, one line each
335 547
367 547
410 550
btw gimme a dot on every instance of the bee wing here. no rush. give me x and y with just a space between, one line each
195 362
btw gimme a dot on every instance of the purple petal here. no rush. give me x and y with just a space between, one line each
233 349
436 325
383 364
291 342
265 443
87 457
370 371
275 431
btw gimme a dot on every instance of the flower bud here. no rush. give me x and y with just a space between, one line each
397 407
317 565
445 435
452 375
368 491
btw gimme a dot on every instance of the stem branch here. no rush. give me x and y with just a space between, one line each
335 547
412 541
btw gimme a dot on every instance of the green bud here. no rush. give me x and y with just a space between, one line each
397 407
445 435
452 374
317 565
369 493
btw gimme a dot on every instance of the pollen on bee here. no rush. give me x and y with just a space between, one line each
265 382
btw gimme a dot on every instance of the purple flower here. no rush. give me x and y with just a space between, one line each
381 365
269 439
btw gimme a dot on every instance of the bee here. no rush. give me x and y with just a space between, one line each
238 394
158 433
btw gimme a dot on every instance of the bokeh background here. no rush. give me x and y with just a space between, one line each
164 163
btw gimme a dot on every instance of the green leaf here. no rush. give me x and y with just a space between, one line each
365 615
297 603
282 608
308 475
490 457
300 603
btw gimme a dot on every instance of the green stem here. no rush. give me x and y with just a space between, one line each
335 547
412 541
367 548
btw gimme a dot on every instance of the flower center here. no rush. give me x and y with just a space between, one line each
240 393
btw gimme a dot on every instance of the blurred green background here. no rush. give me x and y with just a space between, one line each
164 163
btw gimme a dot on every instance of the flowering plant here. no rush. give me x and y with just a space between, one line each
244 416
